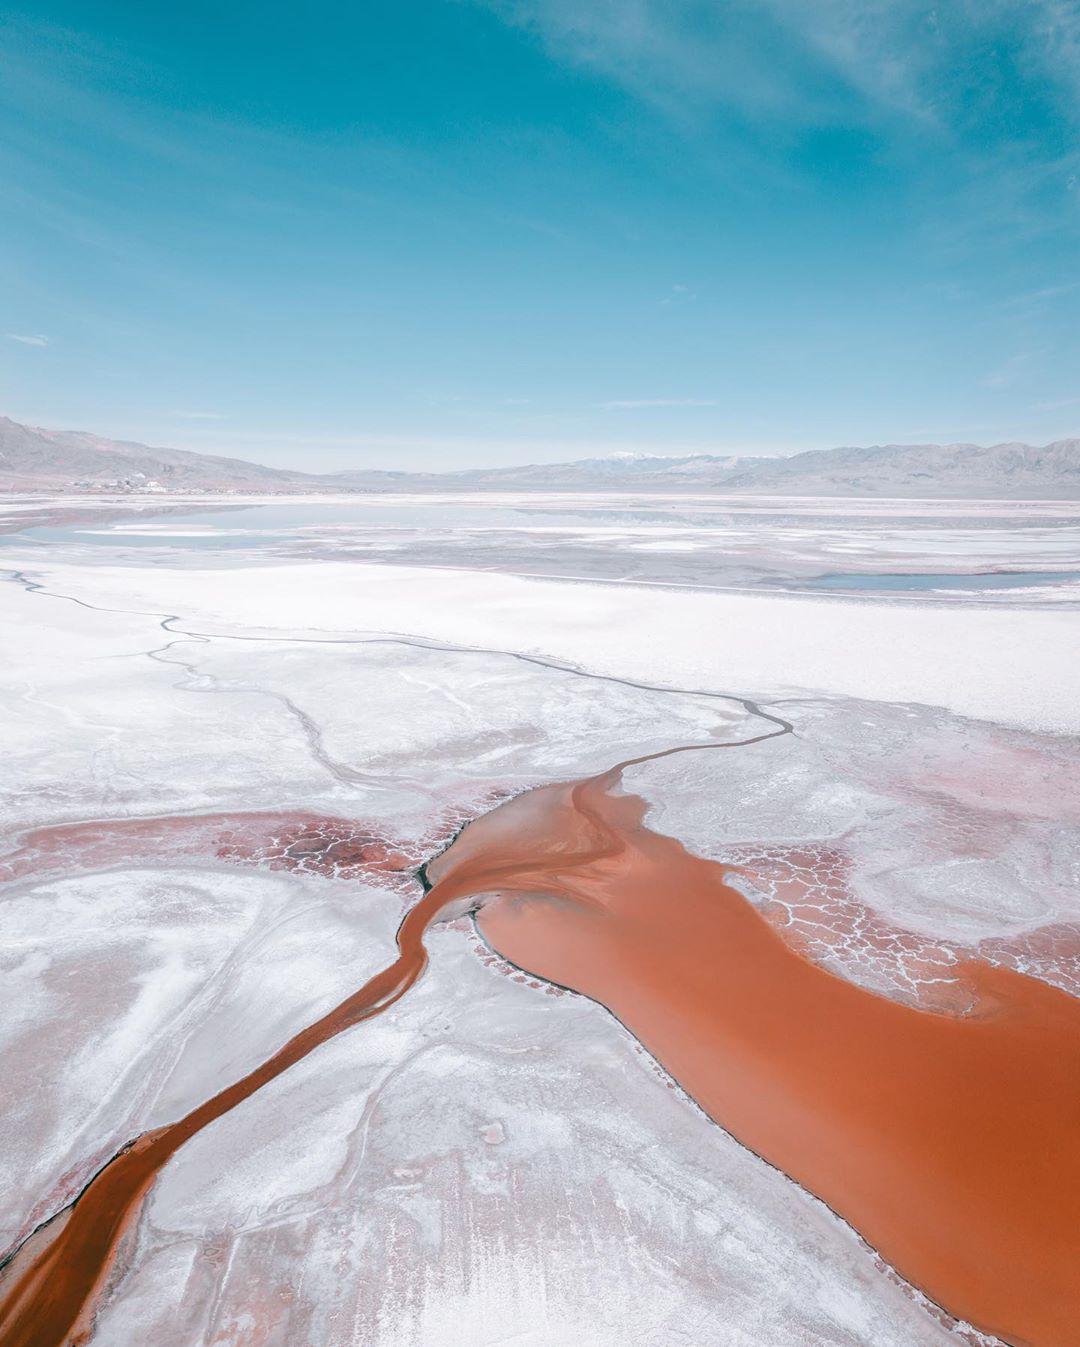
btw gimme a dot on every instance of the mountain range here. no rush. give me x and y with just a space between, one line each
35 460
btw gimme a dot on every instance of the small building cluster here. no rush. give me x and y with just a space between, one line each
137 481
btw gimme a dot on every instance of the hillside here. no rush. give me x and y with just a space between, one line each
1001 470
32 458
1006 471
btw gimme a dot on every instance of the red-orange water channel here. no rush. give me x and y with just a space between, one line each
952 1143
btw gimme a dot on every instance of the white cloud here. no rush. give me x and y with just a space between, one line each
679 295
629 404
990 87
1046 293
36 340
1010 371
664 51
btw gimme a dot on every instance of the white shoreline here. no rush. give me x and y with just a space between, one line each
1016 666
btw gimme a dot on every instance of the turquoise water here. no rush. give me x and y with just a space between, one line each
261 525
942 580
606 542
103 535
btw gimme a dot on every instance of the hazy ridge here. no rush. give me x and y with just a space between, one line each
35 459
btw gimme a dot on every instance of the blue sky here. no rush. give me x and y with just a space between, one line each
408 233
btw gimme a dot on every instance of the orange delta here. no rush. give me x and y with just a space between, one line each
952 1143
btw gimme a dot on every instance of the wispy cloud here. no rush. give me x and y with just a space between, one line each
665 51
629 404
775 52
1047 292
1010 371
34 340
679 294
991 87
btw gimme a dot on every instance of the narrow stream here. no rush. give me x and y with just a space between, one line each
50 1284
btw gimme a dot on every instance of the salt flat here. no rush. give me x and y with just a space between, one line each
1010 665
434 1176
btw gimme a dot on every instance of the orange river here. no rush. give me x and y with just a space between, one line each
950 1142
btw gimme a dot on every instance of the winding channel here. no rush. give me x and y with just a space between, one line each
950 1142
49 1285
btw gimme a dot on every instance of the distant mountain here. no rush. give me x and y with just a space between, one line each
615 473
1001 470
35 459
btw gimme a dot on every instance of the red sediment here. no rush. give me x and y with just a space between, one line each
806 894
298 841
952 1143
1051 953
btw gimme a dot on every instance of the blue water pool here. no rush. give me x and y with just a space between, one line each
942 580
